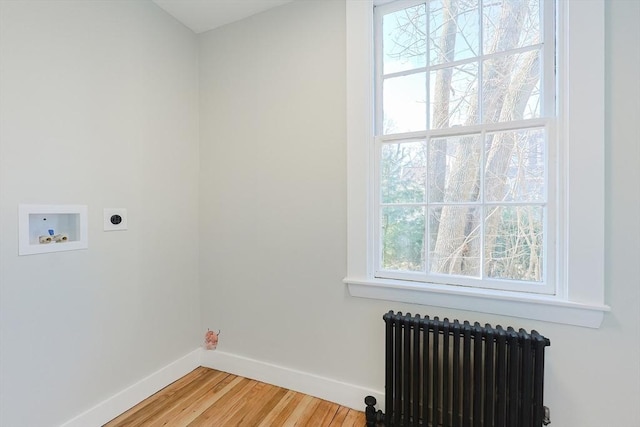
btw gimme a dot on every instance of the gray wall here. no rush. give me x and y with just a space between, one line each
98 106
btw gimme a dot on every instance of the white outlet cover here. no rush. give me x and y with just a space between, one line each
115 219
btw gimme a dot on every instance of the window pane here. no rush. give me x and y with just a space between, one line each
454 168
454 96
511 89
453 30
404 39
403 238
513 243
403 172
509 24
515 166
404 104
454 240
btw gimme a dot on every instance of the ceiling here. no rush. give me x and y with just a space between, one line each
205 15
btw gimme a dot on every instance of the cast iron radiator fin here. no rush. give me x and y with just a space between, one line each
451 374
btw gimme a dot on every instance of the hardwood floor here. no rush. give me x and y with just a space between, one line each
206 397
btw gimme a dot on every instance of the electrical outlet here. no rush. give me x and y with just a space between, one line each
115 219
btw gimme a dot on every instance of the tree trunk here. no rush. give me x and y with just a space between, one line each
500 153
456 243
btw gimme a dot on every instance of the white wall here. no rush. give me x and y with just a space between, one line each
98 106
273 209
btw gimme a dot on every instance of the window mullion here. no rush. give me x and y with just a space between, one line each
483 205
480 60
483 208
377 207
549 88
428 67
427 209
379 76
427 140
464 130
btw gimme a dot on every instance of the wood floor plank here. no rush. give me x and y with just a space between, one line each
227 408
216 381
197 388
302 412
353 419
137 415
324 414
209 398
256 409
204 401
283 410
338 419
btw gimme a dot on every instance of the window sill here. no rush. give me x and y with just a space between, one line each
528 306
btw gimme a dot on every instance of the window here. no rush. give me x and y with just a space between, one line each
473 182
462 143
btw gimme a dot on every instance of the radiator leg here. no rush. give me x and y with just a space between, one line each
546 419
373 417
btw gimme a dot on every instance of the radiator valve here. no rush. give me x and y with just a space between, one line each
374 418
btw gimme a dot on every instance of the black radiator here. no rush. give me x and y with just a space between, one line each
452 374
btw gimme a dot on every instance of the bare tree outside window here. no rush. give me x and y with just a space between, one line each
463 154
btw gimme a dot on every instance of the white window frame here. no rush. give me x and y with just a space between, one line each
545 122
579 294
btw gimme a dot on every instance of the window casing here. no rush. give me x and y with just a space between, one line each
571 287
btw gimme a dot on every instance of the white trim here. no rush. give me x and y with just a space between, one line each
583 157
134 394
516 304
359 36
579 298
345 394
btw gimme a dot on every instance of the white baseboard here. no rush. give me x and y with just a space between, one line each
134 394
345 394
